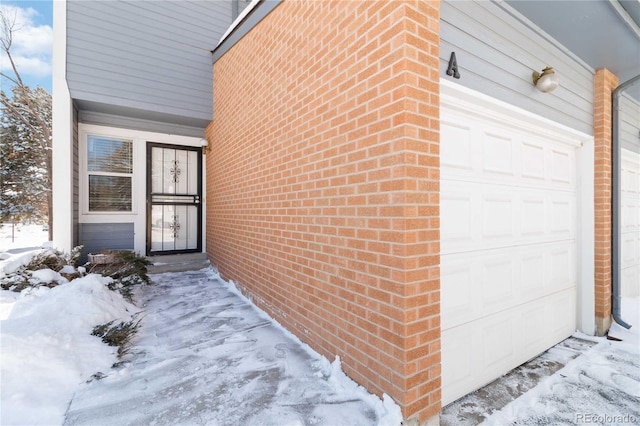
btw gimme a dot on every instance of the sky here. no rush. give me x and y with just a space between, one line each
32 41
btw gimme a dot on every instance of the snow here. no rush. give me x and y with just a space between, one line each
23 236
205 354
19 250
600 386
44 276
46 345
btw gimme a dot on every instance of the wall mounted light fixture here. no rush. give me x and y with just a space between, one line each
547 81
205 145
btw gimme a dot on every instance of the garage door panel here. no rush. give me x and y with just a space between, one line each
630 250
457 217
498 155
533 327
459 295
630 223
509 252
498 283
478 352
498 344
532 163
533 216
478 216
497 217
562 215
631 281
561 309
533 274
562 166
630 215
483 283
457 153
491 155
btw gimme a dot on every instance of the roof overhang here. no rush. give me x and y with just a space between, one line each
602 33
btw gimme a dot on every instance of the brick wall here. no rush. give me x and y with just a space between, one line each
322 191
604 84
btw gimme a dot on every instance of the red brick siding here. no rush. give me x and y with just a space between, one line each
604 84
323 185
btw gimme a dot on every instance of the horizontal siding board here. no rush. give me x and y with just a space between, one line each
145 55
127 122
157 37
120 51
133 86
85 91
178 85
532 45
99 236
629 114
497 54
191 17
512 88
514 60
160 20
482 20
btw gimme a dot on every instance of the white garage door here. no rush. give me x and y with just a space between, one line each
630 223
509 239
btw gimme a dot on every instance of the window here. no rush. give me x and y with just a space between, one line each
110 167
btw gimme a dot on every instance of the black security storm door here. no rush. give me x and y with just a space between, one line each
174 194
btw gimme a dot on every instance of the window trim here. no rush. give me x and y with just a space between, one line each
83 178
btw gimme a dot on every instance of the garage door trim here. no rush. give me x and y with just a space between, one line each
462 102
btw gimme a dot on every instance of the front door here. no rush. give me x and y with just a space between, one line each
174 193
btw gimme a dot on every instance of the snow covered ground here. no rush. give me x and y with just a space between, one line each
601 386
47 349
205 355
22 236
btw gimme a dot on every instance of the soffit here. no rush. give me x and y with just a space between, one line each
603 33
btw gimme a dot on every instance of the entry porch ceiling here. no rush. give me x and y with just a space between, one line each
603 33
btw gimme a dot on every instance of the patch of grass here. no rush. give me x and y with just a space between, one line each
119 335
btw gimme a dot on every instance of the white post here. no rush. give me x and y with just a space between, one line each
62 144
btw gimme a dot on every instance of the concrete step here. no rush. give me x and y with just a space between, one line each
177 263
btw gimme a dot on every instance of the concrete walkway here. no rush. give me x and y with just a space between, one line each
204 356
474 408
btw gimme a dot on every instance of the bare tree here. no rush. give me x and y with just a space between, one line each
34 112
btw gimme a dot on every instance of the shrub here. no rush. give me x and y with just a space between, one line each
127 270
47 259
117 335
54 260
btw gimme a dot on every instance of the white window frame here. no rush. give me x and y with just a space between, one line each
83 178
110 174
